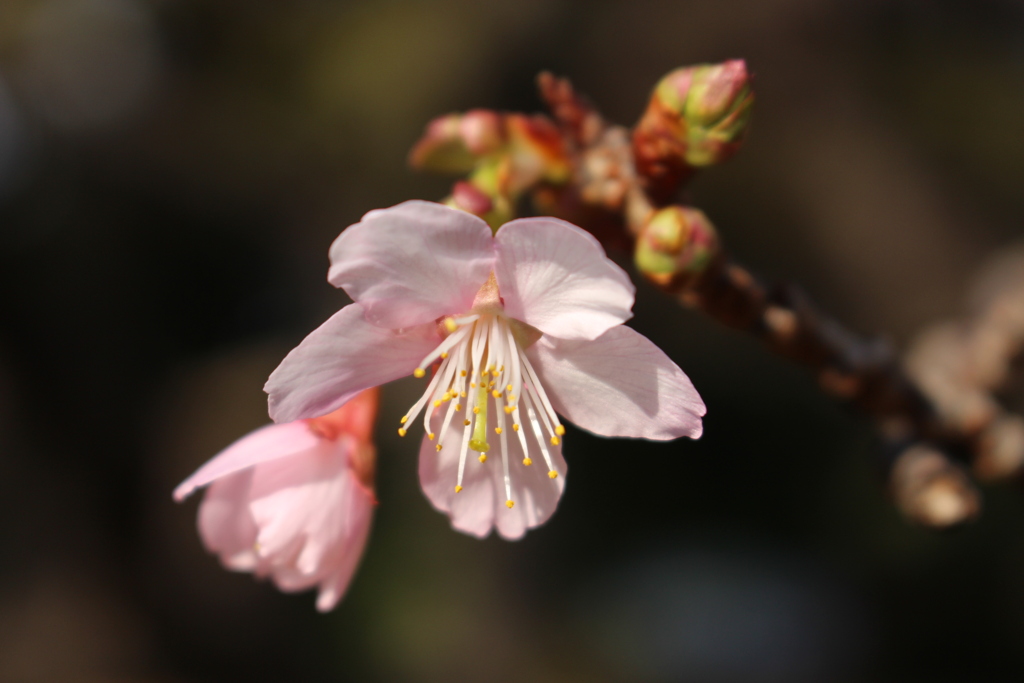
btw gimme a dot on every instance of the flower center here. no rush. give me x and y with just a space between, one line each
487 382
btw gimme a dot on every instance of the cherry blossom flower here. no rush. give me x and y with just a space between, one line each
520 326
293 501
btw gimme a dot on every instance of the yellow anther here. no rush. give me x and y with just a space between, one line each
465 422
430 436
496 394
497 430
510 503
482 458
508 388
509 409
511 397
527 462
490 385
462 373
494 373
437 404
502 368
458 489
515 427
458 407
560 430
472 385
438 447
446 396
405 419
483 373
554 441
444 354
462 394
449 324
401 431
418 372
553 474
476 410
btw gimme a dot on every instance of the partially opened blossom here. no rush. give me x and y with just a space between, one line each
518 327
293 501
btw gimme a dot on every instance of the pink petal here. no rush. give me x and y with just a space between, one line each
619 384
302 498
480 506
225 524
360 518
413 263
341 358
266 443
313 517
556 277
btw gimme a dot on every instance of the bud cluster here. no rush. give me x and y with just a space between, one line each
501 155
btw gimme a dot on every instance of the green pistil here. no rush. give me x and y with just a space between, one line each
479 441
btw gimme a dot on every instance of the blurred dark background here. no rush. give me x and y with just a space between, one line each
171 175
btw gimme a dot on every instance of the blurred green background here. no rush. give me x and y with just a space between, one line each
171 175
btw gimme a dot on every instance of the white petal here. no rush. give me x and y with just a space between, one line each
556 277
620 384
413 263
341 358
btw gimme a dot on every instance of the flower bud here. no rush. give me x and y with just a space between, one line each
697 116
536 153
481 196
676 244
456 143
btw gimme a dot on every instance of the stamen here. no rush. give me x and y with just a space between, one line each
462 456
510 503
535 423
481 351
418 373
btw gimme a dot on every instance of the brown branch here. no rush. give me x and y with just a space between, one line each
927 485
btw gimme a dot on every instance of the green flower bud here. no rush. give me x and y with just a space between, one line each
676 245
457 142
699 113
